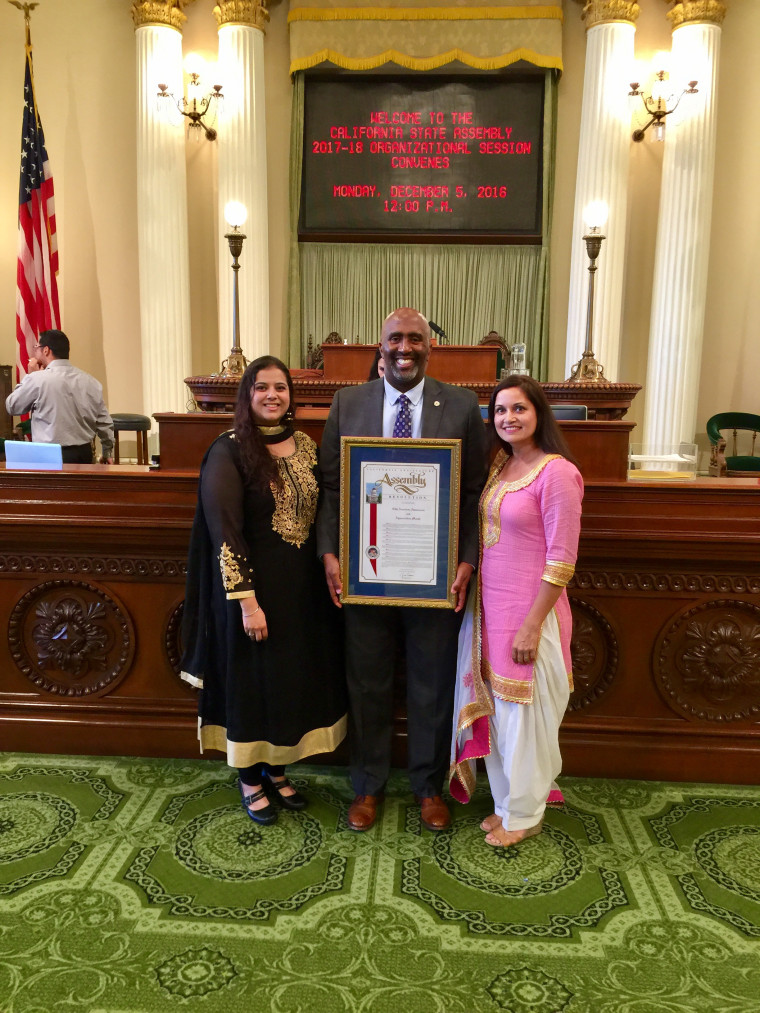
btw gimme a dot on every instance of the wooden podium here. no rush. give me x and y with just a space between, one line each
449 363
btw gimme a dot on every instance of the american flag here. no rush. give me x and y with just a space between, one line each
37 286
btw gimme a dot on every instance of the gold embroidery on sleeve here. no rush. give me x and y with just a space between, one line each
558 573
295 496
231 575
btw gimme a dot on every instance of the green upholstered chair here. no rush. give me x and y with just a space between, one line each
127 422
735 421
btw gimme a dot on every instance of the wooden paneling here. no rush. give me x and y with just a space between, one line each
666 601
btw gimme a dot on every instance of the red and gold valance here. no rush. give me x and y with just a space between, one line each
420 35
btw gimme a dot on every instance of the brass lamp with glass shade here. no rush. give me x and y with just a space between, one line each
235 215
218 391
587 369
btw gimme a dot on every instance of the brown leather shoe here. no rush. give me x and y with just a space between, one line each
434 813
363 811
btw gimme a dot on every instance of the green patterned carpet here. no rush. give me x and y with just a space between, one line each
133 886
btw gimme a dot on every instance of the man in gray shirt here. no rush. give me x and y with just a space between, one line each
66 403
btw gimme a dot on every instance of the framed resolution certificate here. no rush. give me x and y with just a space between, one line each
399 521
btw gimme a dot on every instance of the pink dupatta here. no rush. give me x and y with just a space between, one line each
473 704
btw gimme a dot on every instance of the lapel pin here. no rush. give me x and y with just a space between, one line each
436 404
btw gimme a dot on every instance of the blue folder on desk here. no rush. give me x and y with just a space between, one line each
33 456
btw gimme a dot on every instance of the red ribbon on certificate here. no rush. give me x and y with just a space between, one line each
373 532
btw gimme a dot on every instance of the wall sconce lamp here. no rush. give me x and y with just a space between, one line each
195 105
656 103
587 369
235 215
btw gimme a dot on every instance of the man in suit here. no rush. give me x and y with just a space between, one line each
403 403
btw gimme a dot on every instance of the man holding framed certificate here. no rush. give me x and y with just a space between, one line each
434 480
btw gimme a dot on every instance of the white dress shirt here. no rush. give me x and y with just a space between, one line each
66 404
390 408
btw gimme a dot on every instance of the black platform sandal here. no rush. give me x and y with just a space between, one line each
296 801
266 815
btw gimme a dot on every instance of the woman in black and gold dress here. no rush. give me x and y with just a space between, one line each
263 643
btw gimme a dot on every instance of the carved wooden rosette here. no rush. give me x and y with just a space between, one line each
707 661
242 12
71 639
159 12
594 651
696 12
602 12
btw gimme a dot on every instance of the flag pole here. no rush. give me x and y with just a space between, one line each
37 304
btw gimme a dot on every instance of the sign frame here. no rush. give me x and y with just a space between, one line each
408 455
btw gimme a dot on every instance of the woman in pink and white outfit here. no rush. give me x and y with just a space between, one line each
514 675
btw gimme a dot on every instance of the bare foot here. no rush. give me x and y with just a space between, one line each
491 823
501 838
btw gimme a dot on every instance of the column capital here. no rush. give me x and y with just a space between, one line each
696 12
602 12
242 12
159 12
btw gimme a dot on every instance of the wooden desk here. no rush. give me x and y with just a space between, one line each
599 447
666 604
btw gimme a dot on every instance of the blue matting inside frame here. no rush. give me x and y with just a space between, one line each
442 456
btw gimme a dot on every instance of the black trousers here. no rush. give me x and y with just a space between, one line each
429 637
80 453
252 775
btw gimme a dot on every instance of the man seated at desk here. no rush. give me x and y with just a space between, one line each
66 403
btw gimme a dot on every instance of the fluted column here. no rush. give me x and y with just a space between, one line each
161 211
602 175
243 171
683 232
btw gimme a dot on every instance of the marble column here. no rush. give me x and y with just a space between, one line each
243 172
683 231
602 175
161 211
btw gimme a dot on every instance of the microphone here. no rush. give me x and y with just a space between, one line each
438 330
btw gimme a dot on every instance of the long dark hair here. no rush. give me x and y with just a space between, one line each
547 436
257 463
374 373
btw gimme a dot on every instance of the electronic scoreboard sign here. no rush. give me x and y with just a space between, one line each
426 156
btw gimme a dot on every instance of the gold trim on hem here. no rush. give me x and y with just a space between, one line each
511 690
427 62
192 680
425 14
245 754
236 595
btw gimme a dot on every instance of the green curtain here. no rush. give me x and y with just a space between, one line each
468 290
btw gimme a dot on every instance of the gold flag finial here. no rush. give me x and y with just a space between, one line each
27 9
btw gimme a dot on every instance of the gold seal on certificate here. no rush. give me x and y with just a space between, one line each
399 520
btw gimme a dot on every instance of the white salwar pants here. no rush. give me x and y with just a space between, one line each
524 757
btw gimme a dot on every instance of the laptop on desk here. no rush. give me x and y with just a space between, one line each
33 456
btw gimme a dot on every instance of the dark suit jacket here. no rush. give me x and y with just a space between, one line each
448 412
